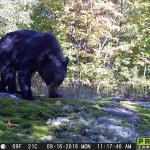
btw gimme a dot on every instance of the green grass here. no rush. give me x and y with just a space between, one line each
144 112
145 115
25 121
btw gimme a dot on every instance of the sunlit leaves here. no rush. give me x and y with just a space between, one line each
107 41
14 14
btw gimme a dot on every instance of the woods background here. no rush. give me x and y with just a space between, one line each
107 42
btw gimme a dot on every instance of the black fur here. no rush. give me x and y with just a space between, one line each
28 51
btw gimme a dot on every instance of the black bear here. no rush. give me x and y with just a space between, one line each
28 51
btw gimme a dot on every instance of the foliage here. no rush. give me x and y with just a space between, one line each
134 59
14 14
107 41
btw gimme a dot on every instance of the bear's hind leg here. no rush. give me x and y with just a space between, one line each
24 79
10 79
2 84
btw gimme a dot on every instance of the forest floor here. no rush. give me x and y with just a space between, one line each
72 120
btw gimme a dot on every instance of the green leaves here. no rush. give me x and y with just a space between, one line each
107 42
14 14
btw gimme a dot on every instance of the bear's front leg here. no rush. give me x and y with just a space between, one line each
24 79
52 91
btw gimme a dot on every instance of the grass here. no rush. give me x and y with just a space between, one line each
25 121
144 112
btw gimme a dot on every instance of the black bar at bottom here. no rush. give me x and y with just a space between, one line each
68 146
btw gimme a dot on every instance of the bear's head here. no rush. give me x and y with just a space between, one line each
54 73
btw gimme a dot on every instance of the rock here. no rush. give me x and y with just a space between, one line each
8 95
139 103
122 112
116 99
69 108
58 121
47 138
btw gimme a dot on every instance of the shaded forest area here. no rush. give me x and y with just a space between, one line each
107 42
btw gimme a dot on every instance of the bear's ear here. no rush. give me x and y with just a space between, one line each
66 61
